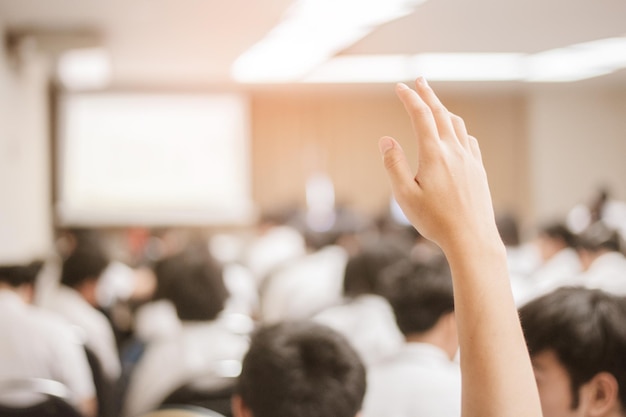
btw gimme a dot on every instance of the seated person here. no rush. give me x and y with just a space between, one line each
559 261
204 352
299 369
365 318
604 265
38 344
577 342
422 379
75 300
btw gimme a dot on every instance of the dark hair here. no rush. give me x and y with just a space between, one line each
18 275
301 369
361 275
192 281
509 229
419 293
585 329
599 236
84 263
560 232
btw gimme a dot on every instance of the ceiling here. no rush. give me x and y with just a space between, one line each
194 42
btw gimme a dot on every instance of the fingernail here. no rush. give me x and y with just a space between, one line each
422 81
402 86
384 144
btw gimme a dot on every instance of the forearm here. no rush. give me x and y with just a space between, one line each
497 375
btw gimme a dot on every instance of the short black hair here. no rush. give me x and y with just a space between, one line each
362 273
559 231
20 274
192 280
585 328
599 236
86 262
301 369
419 293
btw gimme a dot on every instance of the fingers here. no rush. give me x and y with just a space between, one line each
421 116
398 169
460 130
474 148
440 114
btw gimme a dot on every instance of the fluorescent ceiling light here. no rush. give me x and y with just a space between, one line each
311 33
577 62
573 63
84 69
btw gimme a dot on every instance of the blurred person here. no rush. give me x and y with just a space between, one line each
422 378
365 317
577 340
559 261
604 266
299 369
204 352
76 300
37 344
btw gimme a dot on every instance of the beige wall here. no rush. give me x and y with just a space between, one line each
293 133
578 139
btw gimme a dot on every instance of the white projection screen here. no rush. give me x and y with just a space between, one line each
153 159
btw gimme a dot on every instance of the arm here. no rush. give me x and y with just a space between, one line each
448 201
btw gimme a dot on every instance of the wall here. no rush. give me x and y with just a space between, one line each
295 133
25 221
577 134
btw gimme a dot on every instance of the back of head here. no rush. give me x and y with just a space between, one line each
18 275
362 271
585 329
301 369
193 282
86 262
559 232
599 237
419 293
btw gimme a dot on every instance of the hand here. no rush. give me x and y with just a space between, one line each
448 199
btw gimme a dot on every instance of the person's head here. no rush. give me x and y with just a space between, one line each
422 299
577 342
192 280
361 275
20 278
596 240
82 269
299 369
553 238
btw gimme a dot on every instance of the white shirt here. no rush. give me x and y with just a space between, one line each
560 270
204 351
305 287
607 273
368 323
419 381
37 344
95 329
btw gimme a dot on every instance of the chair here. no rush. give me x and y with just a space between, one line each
217 400
54 399
183 411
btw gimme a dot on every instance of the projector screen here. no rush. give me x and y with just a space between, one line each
148 159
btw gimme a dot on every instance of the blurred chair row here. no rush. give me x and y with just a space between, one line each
52 400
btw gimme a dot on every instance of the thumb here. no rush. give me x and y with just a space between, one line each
398 169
